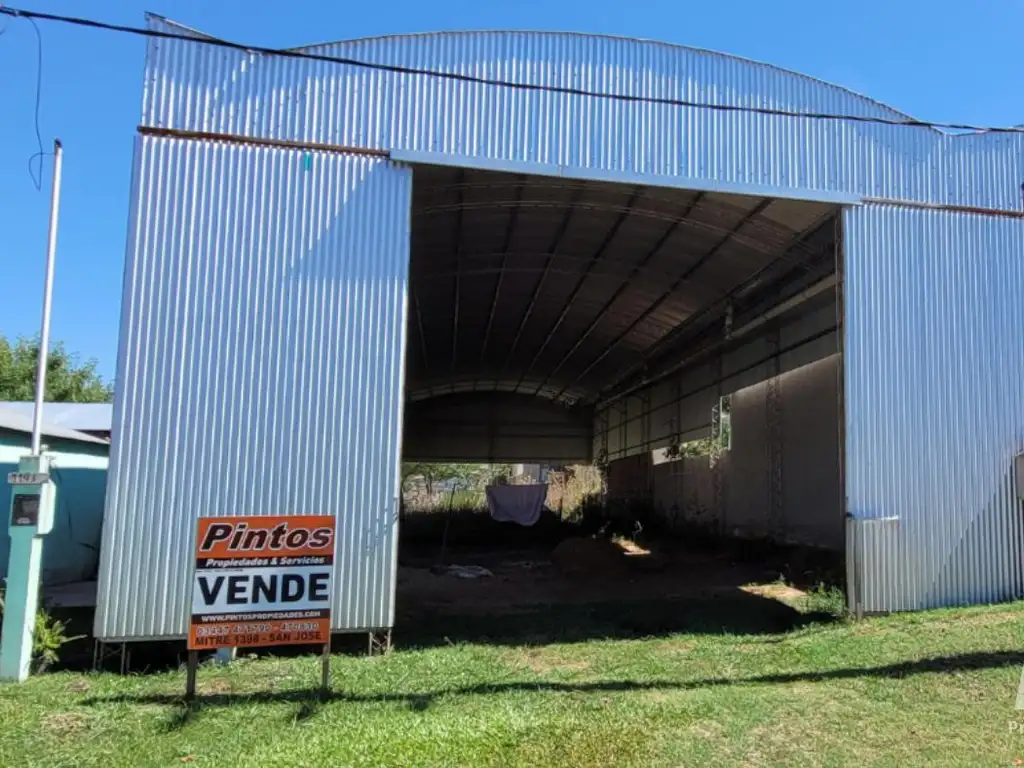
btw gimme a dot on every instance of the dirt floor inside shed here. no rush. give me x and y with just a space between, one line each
579 570
587 587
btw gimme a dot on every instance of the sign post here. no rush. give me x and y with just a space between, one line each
262 581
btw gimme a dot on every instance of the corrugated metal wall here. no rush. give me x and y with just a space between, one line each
679 408
501 427
810 507
260 368
934 387
203 88
876 572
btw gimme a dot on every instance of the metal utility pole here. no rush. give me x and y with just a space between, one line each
44 332
33 495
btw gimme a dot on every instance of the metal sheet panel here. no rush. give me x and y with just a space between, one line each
195 87
259 370
685 401
934 367
498 427
876 573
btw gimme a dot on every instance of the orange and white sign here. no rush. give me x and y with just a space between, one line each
262 581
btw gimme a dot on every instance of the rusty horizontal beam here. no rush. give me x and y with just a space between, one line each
236 138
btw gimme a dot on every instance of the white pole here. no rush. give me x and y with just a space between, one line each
44 334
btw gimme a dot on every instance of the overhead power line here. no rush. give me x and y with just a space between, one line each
37 178
497 82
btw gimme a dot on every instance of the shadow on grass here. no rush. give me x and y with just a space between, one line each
732 612
310 701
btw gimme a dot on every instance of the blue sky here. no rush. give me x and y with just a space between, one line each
938 60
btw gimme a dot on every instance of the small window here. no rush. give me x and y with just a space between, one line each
724 436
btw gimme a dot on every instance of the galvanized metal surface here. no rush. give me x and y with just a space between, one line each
876 572
934 388
259 370
933 372
195 87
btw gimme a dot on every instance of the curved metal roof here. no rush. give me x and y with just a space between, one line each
397 40
525 277
552 287
683 113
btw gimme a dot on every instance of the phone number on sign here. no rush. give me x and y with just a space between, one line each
302 626
222 630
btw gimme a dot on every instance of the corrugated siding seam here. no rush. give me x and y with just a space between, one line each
197 87
876 578
934 401
261 364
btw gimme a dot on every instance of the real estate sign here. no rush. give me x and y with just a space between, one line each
262 581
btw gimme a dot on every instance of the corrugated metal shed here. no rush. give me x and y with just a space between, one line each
266 285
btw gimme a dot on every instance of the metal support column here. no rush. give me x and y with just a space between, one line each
773 416
717 468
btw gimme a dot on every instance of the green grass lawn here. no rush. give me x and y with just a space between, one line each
934 688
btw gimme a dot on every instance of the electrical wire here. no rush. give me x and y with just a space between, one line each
473 79
37 179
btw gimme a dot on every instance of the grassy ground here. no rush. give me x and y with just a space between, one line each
935 688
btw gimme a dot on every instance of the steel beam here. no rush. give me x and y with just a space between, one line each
419 326
637 269
608 238
506 246
652 277
555 243
724 299
458 264
687 274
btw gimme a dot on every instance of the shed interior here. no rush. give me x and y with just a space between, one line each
565 321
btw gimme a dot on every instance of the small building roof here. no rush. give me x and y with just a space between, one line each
15 420
87 417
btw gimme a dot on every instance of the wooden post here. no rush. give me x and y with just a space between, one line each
447 524
190 678
325 671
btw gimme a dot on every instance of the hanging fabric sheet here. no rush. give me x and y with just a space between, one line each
520 504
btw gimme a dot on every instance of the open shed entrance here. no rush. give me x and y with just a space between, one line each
685 342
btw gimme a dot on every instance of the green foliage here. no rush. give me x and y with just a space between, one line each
49 637
465 476
68 380
705 446
826 599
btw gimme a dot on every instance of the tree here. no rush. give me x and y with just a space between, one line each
68 380
432 473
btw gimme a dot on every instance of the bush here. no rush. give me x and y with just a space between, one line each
825 599
49 637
